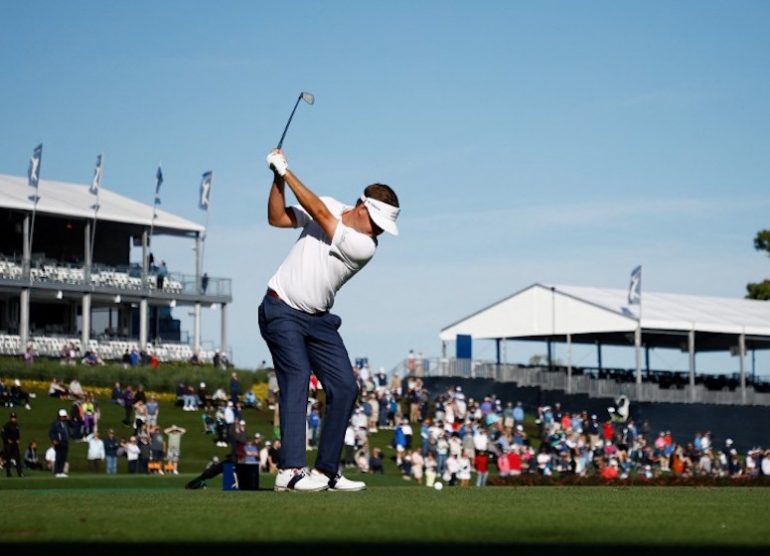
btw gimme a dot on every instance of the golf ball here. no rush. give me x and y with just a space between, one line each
438 486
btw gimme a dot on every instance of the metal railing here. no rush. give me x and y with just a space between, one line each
122 277
580 382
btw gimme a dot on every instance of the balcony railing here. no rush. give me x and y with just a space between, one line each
126 277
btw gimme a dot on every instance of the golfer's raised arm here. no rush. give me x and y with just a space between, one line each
309 200
278 214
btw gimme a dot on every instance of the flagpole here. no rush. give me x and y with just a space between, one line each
96 185
638 342
159 181
203 203
34 170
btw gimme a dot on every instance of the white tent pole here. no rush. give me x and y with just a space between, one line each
569 363
638 349
742 349
691 351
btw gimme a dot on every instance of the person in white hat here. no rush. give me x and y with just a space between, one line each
336 242
59 433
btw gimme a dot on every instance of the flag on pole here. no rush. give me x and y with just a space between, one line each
635 288
96 182
34 167
203 202
159 177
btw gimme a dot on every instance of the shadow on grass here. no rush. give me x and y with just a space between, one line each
374 549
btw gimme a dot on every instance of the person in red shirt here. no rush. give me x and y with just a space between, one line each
481 463
514 461
610 471
608 432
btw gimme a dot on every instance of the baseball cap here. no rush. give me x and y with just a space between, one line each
62 413
13 415
382 214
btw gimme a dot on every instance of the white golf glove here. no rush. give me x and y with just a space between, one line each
276 161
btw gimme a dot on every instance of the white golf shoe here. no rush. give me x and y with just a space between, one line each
300 480
340 483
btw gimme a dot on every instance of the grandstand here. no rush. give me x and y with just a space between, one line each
602 317
62 285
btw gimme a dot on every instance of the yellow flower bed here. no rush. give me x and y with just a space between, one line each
259 389
98 391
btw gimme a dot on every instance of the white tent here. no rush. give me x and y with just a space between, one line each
604 317
592 314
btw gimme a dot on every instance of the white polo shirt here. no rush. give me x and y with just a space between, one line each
317 267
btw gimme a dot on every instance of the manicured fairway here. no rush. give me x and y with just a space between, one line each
152 514
162 511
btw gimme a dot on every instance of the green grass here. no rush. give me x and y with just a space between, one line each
665 516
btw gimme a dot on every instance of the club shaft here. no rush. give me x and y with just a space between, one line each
280 143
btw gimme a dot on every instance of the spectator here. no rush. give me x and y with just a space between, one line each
11 441
96 451
153 411
76 390
157 448
174 445
59 434
127 399
19 396
481 463
111 447
161 275
235 387
31 457
132 454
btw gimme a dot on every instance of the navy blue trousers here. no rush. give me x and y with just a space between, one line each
300 343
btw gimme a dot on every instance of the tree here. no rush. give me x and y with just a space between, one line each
760 290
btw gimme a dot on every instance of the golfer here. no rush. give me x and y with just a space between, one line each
336 242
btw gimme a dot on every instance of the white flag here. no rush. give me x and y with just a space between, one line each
97 181
635 288
34 167
203 202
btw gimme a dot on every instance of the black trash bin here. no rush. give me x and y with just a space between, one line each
248 476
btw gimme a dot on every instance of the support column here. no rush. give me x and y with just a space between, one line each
143 324
550 355
638 349
647 361
497 351
24 299
742 350
197 328
145 262
198 263
691 351
87 254
569 363
223 329
24 320
85 333
599 355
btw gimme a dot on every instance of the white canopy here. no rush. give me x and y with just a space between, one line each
73 200
603 315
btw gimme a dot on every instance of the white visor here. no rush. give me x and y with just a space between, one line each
382 214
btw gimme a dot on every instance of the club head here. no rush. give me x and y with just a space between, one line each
308 97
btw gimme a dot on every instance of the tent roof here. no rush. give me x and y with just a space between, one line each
603 315
74 200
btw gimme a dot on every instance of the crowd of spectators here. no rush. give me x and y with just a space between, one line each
462 439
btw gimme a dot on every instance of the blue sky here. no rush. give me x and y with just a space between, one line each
558 142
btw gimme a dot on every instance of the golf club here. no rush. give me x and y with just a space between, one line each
307 97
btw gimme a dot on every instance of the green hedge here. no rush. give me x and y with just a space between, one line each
163 379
